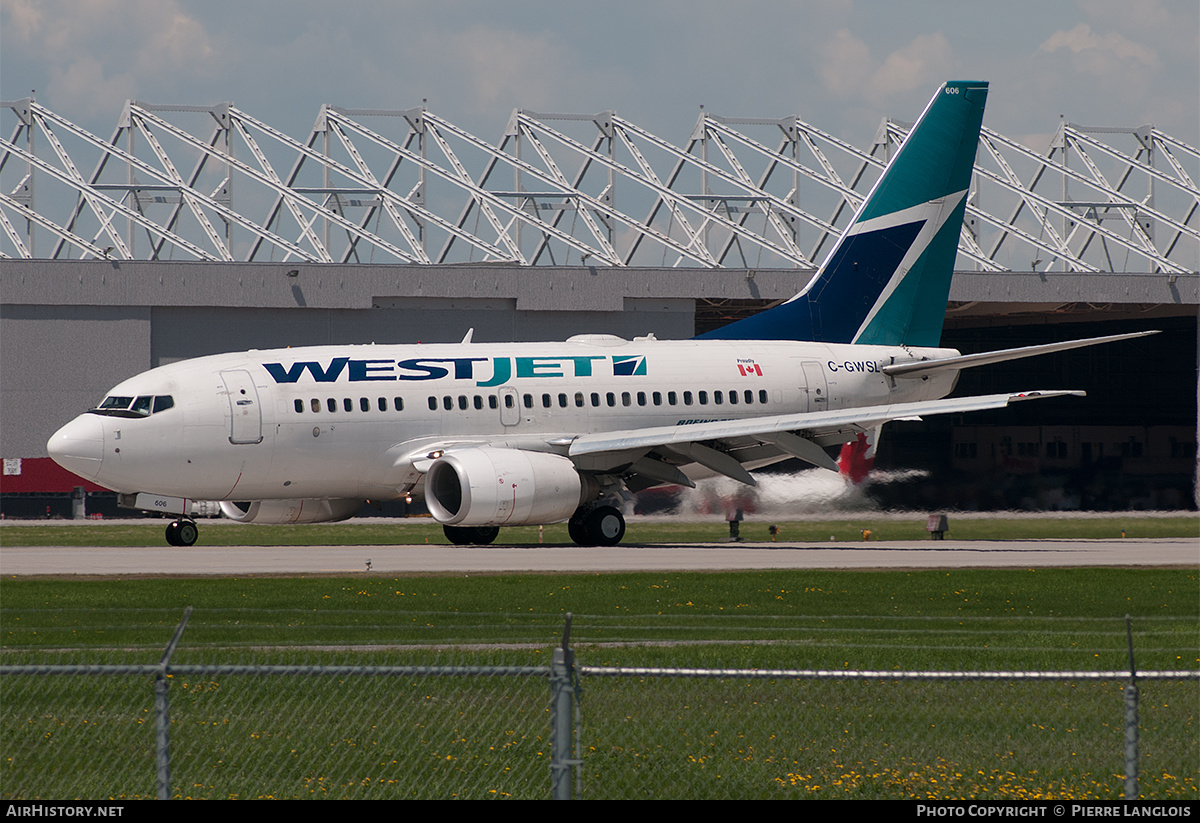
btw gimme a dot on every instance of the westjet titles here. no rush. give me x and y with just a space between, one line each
499 371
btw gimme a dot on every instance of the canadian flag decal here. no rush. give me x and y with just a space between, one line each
750 369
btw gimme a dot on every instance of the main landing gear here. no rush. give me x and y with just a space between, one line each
471 535
182 532
601 526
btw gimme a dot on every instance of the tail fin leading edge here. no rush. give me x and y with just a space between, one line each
887 280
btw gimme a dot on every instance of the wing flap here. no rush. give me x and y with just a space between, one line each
844 423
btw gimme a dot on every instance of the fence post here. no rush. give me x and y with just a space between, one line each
1131 741
162 714
562 671
1131 722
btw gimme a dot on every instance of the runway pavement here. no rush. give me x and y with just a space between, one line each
421 559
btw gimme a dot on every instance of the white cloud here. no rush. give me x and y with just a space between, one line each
1137 73
1100 53
849 70
840 63
96 54
845 63
923 63
506 67
23 17
84 83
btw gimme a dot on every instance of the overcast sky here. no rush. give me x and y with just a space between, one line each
840 64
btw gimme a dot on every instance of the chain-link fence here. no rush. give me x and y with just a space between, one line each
558 727
999 735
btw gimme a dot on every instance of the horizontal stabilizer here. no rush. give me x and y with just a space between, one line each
966 361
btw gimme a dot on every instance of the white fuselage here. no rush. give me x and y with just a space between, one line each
355 421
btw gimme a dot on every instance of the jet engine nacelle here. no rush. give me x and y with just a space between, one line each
305 510
504 487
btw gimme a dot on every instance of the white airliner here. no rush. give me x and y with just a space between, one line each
531 433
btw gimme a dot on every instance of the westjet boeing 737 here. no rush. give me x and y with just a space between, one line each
533 433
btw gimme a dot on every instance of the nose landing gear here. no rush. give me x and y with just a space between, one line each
182 532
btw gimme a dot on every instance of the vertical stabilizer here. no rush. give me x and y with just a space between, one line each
887 279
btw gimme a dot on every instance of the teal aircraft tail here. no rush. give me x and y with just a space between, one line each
887 280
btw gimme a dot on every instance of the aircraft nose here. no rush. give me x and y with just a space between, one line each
79 446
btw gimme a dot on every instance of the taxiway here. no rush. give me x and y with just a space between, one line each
430 559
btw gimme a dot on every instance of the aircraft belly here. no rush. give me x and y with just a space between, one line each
312 459
346 459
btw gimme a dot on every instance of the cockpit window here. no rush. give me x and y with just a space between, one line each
117 406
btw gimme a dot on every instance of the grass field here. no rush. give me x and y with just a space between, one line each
788 619
938 619
654 737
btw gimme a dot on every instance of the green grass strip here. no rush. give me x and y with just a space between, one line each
425 531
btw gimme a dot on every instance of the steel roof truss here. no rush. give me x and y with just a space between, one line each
705 224
388 206
451 176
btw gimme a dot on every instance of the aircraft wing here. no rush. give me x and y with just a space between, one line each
720 445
